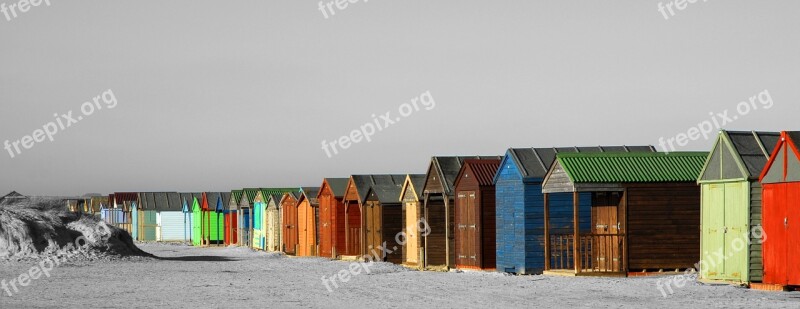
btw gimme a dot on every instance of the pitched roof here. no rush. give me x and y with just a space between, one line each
632 167
416 181
276 199
753 148
310 193
158 201
447 168
388 188
121 197
250 194
482 169
784 161
338 186
535 162
174 200
386 182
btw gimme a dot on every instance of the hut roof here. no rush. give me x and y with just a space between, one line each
632 167
447 168
535 162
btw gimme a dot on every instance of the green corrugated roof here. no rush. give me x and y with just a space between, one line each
632 167
237 195
266 192
251 194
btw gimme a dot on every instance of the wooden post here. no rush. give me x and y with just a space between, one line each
346 227
547 253
623 230
447 231
576 243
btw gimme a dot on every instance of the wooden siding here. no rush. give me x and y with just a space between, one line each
756 260
436 242
520 221
306 241
663 224
289 228
332 224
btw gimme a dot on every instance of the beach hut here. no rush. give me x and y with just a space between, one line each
307 214
475 216
645 213
438 209
245 214
170 219
119 212
289 229
232 218
213 220
274 223
197 220
187 201
144 215
382 217
731 205
780 180
259 209
354 197
259 229
520 205
411 197
332 217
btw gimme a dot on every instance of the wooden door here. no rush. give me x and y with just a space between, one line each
606 240
736 234
290 232
774 221
467 229
302 230
793 233
412 233
374 239
325 231
713 225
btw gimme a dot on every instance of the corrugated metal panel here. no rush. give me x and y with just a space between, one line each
633 167
172 226
484 170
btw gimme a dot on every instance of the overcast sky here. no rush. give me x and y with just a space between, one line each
217 95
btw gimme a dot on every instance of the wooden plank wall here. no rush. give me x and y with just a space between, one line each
663 226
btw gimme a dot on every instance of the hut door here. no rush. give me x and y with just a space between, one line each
792 225
325 232
735 230
775 227
412 231
606 241
373 232
291 233
467 229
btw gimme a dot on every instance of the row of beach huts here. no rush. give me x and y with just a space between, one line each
576 211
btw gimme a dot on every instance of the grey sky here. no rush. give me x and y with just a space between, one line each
215 95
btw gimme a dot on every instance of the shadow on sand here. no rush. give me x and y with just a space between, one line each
195 258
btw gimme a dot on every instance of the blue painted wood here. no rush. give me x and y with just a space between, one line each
520 219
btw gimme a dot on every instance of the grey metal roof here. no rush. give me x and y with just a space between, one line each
748 146
175 202
388 187
159 201
213 198
535 162
448 167
226 198
338 185
418 181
